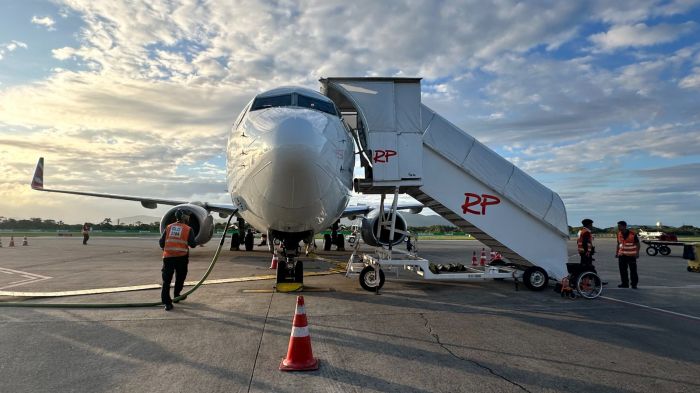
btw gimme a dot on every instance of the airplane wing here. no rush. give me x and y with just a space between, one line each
149 203
351 211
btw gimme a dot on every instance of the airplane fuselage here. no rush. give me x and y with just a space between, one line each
290 162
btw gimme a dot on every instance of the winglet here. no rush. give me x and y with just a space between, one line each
38 180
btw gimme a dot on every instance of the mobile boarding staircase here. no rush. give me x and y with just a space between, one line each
408 148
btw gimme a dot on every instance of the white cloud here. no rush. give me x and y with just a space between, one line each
45 21
624 36
11 47
691 81
64 53
14 45
631 11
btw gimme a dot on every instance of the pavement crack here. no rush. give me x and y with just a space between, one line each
255 363
434 334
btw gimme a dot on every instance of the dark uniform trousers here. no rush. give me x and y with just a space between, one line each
626 262
177 266
586 260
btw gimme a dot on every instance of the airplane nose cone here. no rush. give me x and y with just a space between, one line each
298 132
292 176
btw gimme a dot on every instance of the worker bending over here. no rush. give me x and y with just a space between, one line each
175 242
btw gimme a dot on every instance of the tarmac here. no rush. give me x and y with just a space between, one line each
415 336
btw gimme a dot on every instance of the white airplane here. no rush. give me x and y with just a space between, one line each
290 161
649 235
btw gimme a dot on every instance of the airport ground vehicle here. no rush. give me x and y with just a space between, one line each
691 252
369 268
655 247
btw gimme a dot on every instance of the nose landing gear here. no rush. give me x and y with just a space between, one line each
290 271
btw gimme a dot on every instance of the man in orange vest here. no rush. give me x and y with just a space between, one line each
175 241
627 253
585 242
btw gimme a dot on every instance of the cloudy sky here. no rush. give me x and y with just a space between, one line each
599 100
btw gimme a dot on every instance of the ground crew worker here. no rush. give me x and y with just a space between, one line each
86 233
175 241
627 253
585 242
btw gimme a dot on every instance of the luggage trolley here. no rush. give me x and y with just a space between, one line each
655 247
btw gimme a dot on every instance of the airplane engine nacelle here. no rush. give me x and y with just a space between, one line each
200 221
369 229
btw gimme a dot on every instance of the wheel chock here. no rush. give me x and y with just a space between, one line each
289 287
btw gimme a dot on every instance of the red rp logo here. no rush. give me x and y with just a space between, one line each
383 155
483 200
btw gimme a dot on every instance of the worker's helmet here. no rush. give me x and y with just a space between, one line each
180 214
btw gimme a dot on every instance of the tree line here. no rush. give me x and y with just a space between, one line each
684 230
36 223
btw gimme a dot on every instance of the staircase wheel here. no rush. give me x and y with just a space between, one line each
535 278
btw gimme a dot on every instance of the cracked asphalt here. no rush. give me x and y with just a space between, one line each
416 336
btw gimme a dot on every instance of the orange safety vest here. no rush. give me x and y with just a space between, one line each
579 241
626 246
176 235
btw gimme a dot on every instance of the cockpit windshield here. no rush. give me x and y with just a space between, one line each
294 99
313 103
269 102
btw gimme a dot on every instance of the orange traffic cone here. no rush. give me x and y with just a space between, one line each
12 241
273 264
299 354
474 263
482 260
25 242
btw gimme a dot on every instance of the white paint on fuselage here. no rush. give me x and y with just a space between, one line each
290 168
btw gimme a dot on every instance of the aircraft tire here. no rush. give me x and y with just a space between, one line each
535 278
235 242
281 271
340 242
249 241
664 250
651 251
299 272
327 242
367 279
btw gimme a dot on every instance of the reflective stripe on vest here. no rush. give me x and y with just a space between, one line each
626 246
176 235
579 241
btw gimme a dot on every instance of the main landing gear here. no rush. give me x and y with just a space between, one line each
334 238
242 236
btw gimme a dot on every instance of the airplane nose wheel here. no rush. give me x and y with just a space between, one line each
369 280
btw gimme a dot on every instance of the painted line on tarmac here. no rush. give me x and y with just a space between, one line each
652 308
691 286
29 278
98 291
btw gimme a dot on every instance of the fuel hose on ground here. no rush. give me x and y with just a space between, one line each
124 305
